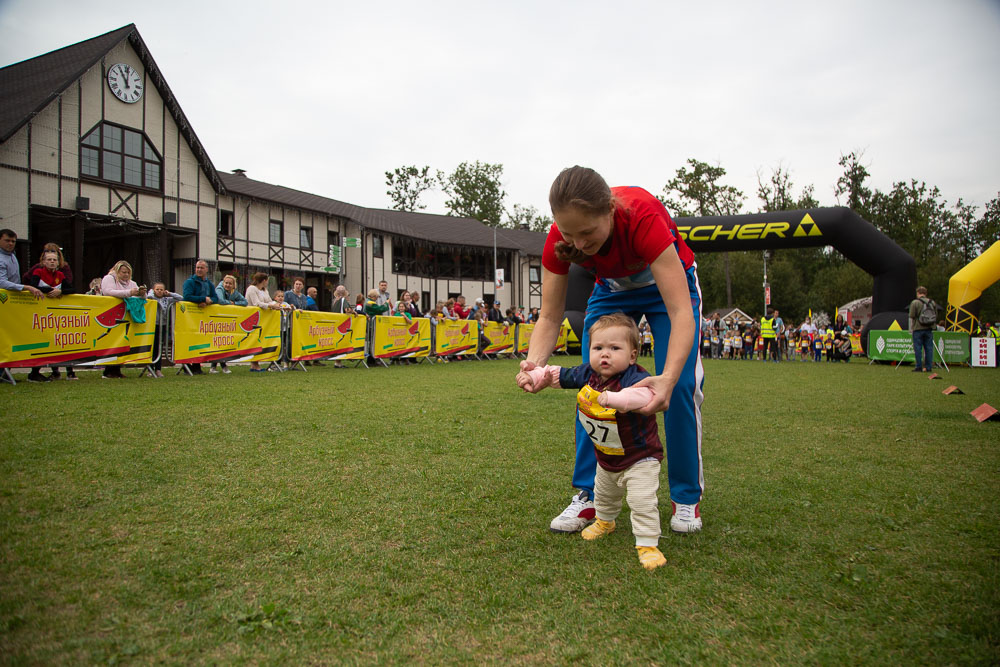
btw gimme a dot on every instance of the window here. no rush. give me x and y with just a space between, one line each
225 223
377 245
120 155
305 237
276 232
332 238
534 275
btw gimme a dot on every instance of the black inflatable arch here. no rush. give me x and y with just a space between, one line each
893 270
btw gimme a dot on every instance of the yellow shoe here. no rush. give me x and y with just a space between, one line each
599 528
651 557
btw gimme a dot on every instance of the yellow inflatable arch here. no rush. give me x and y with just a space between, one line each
966 286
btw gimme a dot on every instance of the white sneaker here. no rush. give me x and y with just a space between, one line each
576 516
213 371
686 518
226 370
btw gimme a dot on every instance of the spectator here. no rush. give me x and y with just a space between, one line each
532 315
340 304
297 297
95 288
226 294
10 270
311 295
446 310
372 306
359 304
383 296
198 289
279 298
119 284
495 314
476 307
412 306
164 300
460 308
779 328
51 281
769 332
923 314
257 297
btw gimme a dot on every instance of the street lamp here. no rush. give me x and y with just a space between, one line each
767 288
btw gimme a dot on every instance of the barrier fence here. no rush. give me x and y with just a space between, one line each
82 330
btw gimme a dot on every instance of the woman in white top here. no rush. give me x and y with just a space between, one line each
118 283
258 297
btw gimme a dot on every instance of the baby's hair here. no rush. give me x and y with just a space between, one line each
618 320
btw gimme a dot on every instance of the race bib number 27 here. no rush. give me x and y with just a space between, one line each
599 422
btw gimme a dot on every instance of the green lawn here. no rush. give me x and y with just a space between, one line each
401 515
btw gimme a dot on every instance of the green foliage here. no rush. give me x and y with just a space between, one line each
474 191
529 218
316 527
406 185
776 193
698 192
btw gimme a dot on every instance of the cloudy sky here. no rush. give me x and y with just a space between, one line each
327 96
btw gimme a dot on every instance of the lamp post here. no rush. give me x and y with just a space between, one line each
767 290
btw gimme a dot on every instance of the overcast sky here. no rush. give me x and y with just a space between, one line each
327 96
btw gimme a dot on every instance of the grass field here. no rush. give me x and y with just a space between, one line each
401 515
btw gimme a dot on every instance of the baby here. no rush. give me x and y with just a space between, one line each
627 444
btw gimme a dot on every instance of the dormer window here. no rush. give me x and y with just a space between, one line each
121 155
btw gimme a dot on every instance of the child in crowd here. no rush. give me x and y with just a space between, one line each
165 299
737 344
804 345
279 298
817 348
706 345
627 444
727 345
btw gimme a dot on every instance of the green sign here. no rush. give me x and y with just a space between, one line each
953 347
350 242
334 262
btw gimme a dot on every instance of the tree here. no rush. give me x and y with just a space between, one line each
699 193
474 191
776 193
852 184
527 217
406 185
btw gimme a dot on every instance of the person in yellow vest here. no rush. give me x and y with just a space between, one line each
769 332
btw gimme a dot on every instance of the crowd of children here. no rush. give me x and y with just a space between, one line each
806 342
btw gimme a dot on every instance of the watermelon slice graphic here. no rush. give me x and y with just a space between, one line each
414 328
251 323
111 318
465 330
344 327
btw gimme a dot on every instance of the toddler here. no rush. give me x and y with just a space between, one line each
627 444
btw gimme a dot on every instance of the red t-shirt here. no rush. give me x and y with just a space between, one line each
642 231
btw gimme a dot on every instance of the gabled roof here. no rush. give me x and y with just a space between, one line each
437 229
27 87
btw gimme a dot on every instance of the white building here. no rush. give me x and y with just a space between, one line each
97 156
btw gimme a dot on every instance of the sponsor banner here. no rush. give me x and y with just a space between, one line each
456 337
319 335
563 337
984 352
225 333
951 346
499 338
75 329
524 337
399 337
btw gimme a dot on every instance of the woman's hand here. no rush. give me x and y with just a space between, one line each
54 294
662 387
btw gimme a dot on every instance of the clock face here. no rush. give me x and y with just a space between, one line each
125 82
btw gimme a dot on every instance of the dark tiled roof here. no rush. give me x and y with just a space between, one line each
27 87
437 229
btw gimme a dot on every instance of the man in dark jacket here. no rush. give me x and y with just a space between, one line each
200 290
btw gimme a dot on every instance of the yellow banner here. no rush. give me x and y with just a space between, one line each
524 337
456 337
75 329
563 337
400 337
856 343
500 338
319 335
225 333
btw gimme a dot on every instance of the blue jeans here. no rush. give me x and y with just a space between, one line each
923 348
683 419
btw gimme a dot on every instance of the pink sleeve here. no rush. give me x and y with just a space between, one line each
544 376
628 399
